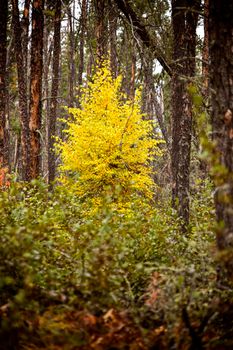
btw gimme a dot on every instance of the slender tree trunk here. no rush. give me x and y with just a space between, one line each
83 20
54 92
133 74
48 47
113 15
159 115
25 36
71 79
16 153
152 105
221 85
205 52
10 56
4 147
148 84
22 88
36 86
184 23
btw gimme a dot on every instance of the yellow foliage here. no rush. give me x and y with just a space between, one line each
109 142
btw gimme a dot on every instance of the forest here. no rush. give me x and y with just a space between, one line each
116 174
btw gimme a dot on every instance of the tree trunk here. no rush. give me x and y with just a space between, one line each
22 87
54 92
4 147
101 32
221 85
83 23
133 73
71 79
36 86
113 37
46 66
25 34
205 51
184 23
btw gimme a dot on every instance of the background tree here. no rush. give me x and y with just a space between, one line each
36 86
22 90
101 29
4 146
184 23
83 23
54 91
221 72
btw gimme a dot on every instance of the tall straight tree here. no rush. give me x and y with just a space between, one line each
221 85
25 33
3 53
54 91
184 23
72 72
22 88
113 16
83 21
205 52
36 85
101 29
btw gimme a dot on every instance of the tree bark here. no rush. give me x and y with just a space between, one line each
36 86
22 88
113 37
184 23
83 23
4 147
71 79
46 68
205 51
101 31
221 85
54 91
25 36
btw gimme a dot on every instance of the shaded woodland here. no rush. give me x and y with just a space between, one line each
116 174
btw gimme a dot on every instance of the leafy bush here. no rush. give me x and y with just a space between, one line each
109 144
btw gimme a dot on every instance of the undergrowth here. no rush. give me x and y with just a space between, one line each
111 280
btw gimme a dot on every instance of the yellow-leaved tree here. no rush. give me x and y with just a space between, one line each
109 143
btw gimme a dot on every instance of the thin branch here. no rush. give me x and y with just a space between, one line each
141 31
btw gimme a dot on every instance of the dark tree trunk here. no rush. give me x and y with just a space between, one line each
205 52
36 86
101 31
54 91
22 88
4 147
83 22
184 23
25 35
71 79
48 48
221 85
113 37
